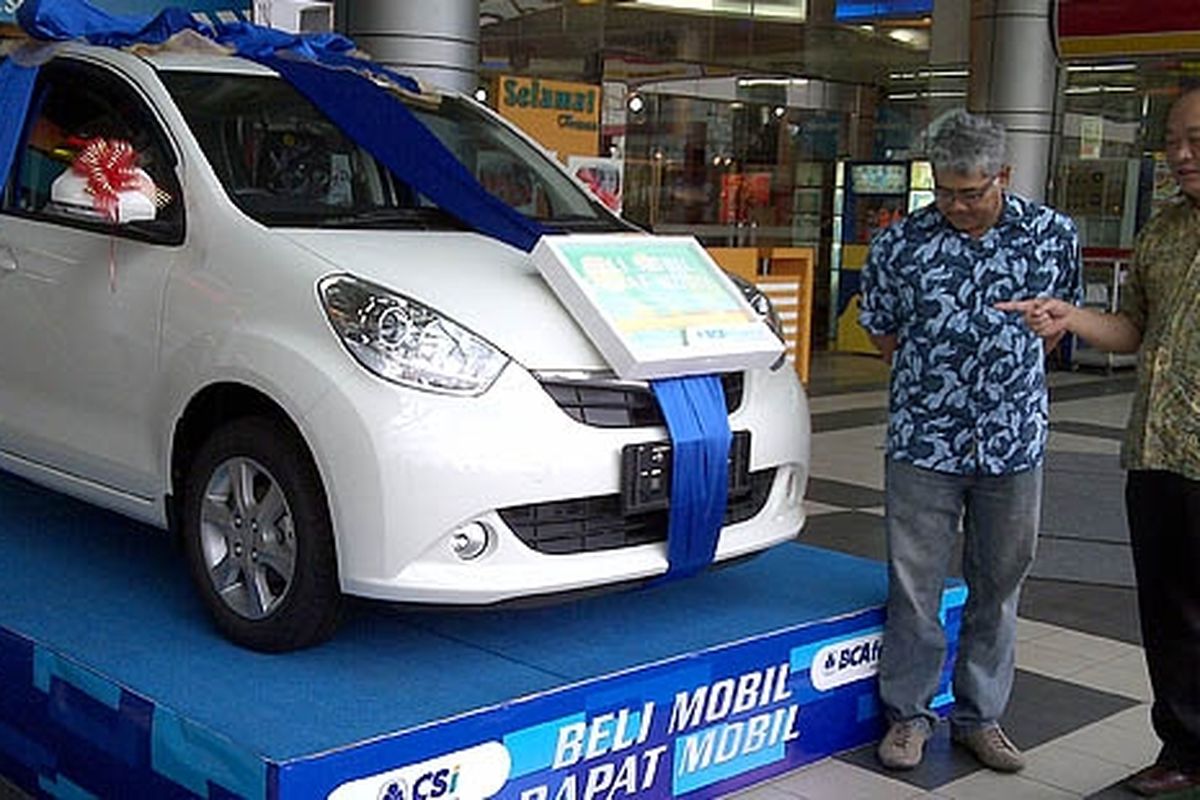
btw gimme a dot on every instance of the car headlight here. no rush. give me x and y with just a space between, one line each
408 342
759 301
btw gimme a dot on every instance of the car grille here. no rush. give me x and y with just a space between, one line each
611 403
589 524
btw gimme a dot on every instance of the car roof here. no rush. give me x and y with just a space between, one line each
194 55
206 58
205 62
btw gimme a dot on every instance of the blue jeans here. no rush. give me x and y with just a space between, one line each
999 516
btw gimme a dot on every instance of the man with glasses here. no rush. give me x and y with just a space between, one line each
1160 314
966 431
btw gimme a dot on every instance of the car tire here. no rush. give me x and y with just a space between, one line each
258 537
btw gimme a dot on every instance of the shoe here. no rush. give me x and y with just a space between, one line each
991 747
904 744
1162 779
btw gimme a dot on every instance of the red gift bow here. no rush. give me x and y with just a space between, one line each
110 166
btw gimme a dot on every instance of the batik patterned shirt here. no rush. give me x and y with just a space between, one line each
968 385
1161 296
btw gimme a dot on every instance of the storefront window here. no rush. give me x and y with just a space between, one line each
728 123
1100 152
1112 170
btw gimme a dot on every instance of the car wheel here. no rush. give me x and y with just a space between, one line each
258 538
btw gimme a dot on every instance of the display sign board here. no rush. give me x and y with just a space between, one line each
867 10
656 307
1127 27
879 178
239 9
564 117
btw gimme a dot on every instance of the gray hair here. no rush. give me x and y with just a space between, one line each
963 143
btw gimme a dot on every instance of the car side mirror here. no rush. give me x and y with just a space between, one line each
69 196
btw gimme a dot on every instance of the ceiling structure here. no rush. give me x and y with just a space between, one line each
576 40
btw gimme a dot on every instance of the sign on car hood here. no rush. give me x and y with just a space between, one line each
489 287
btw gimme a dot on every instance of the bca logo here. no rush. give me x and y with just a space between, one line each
846 661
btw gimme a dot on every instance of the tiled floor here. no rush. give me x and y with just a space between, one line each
1079 707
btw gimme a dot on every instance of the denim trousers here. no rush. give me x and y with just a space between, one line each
999 517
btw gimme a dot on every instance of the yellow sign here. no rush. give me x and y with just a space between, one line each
563 116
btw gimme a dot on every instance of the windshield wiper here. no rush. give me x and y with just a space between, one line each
585 222
421 218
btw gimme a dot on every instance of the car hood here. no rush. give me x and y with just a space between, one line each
489 287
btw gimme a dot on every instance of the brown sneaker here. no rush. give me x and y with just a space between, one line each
904 744
992 748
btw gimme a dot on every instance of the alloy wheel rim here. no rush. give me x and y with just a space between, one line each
247 538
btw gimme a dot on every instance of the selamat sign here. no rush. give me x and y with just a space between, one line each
563 116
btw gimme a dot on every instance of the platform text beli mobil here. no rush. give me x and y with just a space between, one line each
712 730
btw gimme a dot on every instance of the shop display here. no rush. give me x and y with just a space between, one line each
874 196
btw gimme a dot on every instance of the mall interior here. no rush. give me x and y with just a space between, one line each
768 127
782 134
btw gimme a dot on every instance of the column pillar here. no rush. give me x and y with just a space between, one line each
949 56
436 41
1014 80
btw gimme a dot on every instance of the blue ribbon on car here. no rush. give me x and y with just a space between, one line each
388 130
362 109
16 89
694 408
321 68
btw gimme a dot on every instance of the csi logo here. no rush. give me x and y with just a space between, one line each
431 785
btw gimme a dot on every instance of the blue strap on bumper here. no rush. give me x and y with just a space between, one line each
694 408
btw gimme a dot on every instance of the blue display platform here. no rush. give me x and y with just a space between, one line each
112 683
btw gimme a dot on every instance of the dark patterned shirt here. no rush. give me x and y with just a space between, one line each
1162 298
968 386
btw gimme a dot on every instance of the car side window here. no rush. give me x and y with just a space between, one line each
81 115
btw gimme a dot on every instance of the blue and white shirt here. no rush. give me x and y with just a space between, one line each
968 386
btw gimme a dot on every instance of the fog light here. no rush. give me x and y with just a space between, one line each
792 489
470 541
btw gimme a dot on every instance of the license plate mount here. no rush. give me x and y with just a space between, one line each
646 473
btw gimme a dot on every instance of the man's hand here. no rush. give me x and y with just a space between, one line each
1046 316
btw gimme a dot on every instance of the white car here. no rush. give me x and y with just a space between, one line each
321 381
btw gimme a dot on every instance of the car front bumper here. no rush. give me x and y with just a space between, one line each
405 469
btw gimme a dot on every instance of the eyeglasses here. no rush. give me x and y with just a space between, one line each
968 197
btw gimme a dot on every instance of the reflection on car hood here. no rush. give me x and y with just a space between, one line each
489 287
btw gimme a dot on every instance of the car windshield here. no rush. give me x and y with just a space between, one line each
284 163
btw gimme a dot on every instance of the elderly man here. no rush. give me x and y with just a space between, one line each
966 431
1160 313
